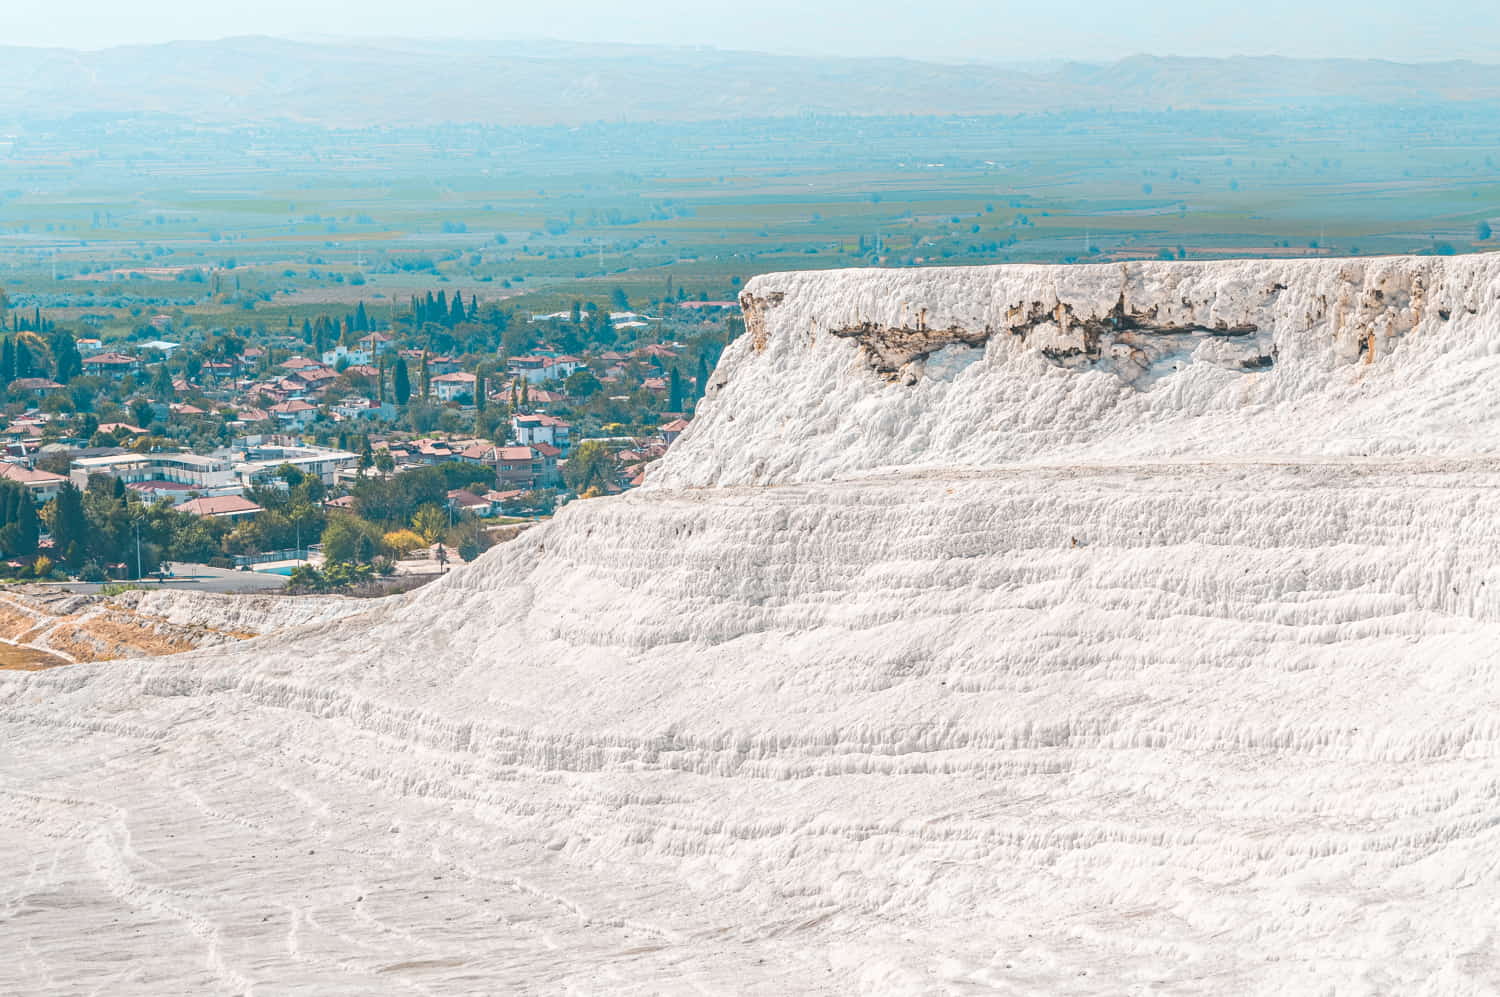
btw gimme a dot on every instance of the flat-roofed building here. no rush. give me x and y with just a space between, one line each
261 464
203 473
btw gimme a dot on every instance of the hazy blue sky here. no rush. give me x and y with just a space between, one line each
1000 30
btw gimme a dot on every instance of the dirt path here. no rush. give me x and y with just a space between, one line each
15 658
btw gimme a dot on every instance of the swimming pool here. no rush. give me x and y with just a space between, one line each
285 570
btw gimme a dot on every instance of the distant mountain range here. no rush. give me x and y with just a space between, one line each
360 83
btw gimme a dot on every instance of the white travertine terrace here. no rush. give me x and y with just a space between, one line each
1114 629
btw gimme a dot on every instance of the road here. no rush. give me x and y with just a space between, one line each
201 578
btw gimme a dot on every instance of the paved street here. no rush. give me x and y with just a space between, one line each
202 578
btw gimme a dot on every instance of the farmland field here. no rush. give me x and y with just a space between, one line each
106 218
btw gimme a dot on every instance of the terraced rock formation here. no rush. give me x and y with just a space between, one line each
954 649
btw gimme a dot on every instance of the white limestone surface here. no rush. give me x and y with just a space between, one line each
1148 680
1366 357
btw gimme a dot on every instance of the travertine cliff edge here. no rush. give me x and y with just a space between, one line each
1327 358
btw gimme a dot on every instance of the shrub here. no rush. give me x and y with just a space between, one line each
403 542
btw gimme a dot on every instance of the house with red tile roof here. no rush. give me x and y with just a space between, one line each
517 467
117 428
450 387
221 507
537 428
111 365
39 387
296 413
462 500
43 485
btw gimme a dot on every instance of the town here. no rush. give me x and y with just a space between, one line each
331 449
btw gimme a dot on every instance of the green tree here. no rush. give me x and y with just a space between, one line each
430 522
70 526
591 466
18 521
22 359
66 356
351 540
582 384
674 391
142 413
161 384
401 382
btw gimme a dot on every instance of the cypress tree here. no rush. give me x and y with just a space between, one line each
161 384
69 362
23 366
361 321
70 525
674 391
426 375
401 382
457 314
7 361
26 524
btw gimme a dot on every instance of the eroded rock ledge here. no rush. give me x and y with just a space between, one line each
1153 318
